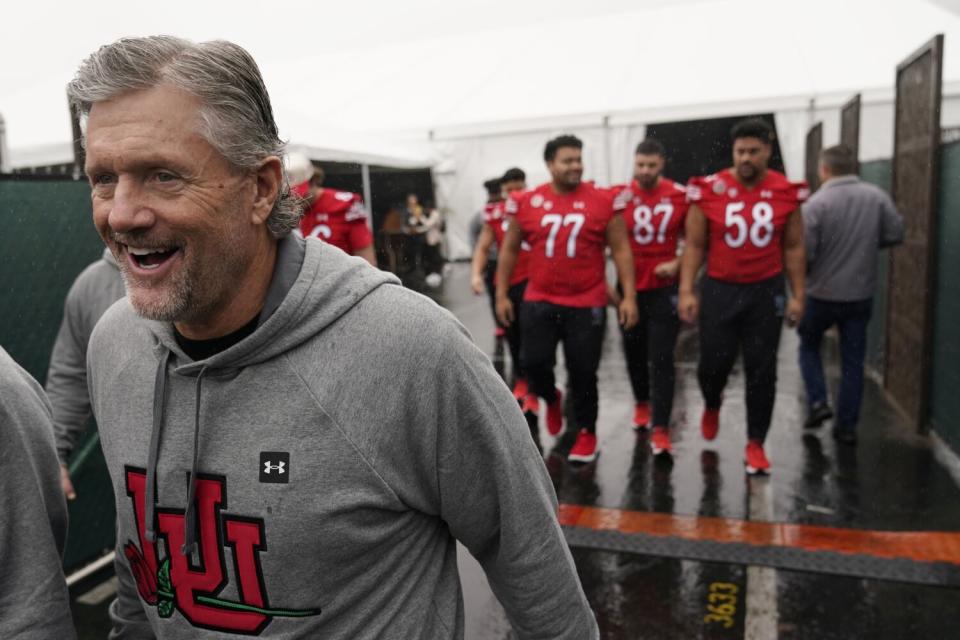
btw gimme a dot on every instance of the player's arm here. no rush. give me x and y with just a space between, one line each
694 251
368 254
623 259
506 261
481 253
795 264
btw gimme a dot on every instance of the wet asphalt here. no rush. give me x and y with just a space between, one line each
889 481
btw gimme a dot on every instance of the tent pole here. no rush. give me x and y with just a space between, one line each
367 193
606 148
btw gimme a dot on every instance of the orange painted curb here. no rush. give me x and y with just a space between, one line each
919 546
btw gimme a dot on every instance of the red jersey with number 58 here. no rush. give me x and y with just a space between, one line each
746 225
495 216
655 219
567 234
338 217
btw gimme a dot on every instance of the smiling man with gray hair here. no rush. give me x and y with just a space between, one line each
288 462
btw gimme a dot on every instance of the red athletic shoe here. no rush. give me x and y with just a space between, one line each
641 415
585 448
555 414
710 423
755 459
499 332
520 389
660 441
531 404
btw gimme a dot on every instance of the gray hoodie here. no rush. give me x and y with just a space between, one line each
33 514
339 451
92 293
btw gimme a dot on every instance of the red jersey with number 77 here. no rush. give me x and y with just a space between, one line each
567 234
654 220
746 225
338 217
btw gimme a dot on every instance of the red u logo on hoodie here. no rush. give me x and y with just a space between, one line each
177 584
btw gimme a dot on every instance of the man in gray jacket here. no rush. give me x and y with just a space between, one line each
846 223
33 514
92 293
295 440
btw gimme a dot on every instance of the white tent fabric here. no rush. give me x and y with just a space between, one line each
474 86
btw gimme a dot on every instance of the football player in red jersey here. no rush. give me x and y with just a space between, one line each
654 209
747 221
337 217
568 225
494 229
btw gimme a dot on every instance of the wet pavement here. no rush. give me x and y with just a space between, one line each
890 481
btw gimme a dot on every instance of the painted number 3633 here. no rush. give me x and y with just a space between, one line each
722 604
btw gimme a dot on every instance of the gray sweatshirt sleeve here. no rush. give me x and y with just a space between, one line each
126 611
891 224
498 500
33 524
67 376
811 229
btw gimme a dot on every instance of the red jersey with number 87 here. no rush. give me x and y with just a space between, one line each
494 215
567 234
654 220
746 225
338 217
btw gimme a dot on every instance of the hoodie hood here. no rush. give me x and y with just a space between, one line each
109 259
313 285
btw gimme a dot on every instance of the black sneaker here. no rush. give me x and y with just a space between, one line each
845 436
818 415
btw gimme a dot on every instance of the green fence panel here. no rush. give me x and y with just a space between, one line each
47 239
945 401
880 173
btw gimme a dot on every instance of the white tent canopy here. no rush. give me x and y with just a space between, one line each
474 86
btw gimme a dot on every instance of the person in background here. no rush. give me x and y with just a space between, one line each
745 222
33 526
568 225
655 209
337 217
491 239
91 294
846 223
416 227
433 249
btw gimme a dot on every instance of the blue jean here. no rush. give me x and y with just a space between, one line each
851 319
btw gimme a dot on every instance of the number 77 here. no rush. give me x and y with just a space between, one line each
555 221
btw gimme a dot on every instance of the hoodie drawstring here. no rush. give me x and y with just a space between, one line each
190 521
159 392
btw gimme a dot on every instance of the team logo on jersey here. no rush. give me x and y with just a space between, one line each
536 200
719 187
579 205
343 196
766 194
732 192
177 584
548 205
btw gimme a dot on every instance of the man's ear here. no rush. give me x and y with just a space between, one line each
269 181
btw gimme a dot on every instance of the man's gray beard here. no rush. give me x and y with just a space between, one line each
170 308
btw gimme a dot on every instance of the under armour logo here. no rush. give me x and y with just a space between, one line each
275 466
268 466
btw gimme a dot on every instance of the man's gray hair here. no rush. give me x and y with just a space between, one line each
236 116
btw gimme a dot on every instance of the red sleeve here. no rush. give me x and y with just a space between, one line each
622 195
695 189
305 225
359 235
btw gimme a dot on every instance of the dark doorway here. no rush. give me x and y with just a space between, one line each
388 186
702 147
